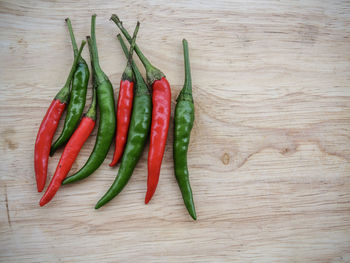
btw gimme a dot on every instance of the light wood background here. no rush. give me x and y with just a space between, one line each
270 152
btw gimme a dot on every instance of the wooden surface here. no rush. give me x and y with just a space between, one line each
270 151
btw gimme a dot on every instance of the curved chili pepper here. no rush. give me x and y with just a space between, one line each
49 125
137 136
71 151
105 102
77 96
184 118
161 100
124 106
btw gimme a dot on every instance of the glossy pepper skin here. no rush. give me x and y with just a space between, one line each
124 107
77 96
105 102
48 128
71 151
43 141
184 118
161 98
137 136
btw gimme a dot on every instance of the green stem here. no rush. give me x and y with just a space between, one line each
71 73
126 52
91 113
72 38
188 79
128 74
152 72
63 94
133 42
139 80
94 52
142 57
88 39
93 76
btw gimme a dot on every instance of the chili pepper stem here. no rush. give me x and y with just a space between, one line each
186 92
133 42
138 88
152 72
88 40
72 37
63 94
188 78
91 113
128 73
94 51
119 23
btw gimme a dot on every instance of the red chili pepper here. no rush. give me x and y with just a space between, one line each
43 141
48 127
124 107
161 99
68 157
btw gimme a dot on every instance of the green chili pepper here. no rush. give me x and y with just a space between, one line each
77 96
184 118
105 100
138 132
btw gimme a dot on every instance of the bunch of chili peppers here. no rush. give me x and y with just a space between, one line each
143 109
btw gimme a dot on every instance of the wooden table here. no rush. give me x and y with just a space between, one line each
270 151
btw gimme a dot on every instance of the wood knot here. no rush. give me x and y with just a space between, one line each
8 136
288 151
225 158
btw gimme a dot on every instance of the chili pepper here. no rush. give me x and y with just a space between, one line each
49 125
124 106
137 136
184 118
77 97
71 151
161 99
105 102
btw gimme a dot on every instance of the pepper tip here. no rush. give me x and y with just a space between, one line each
148 197
40 188
193 215
42 203
65 181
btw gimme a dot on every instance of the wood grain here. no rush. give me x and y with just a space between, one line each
270 150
